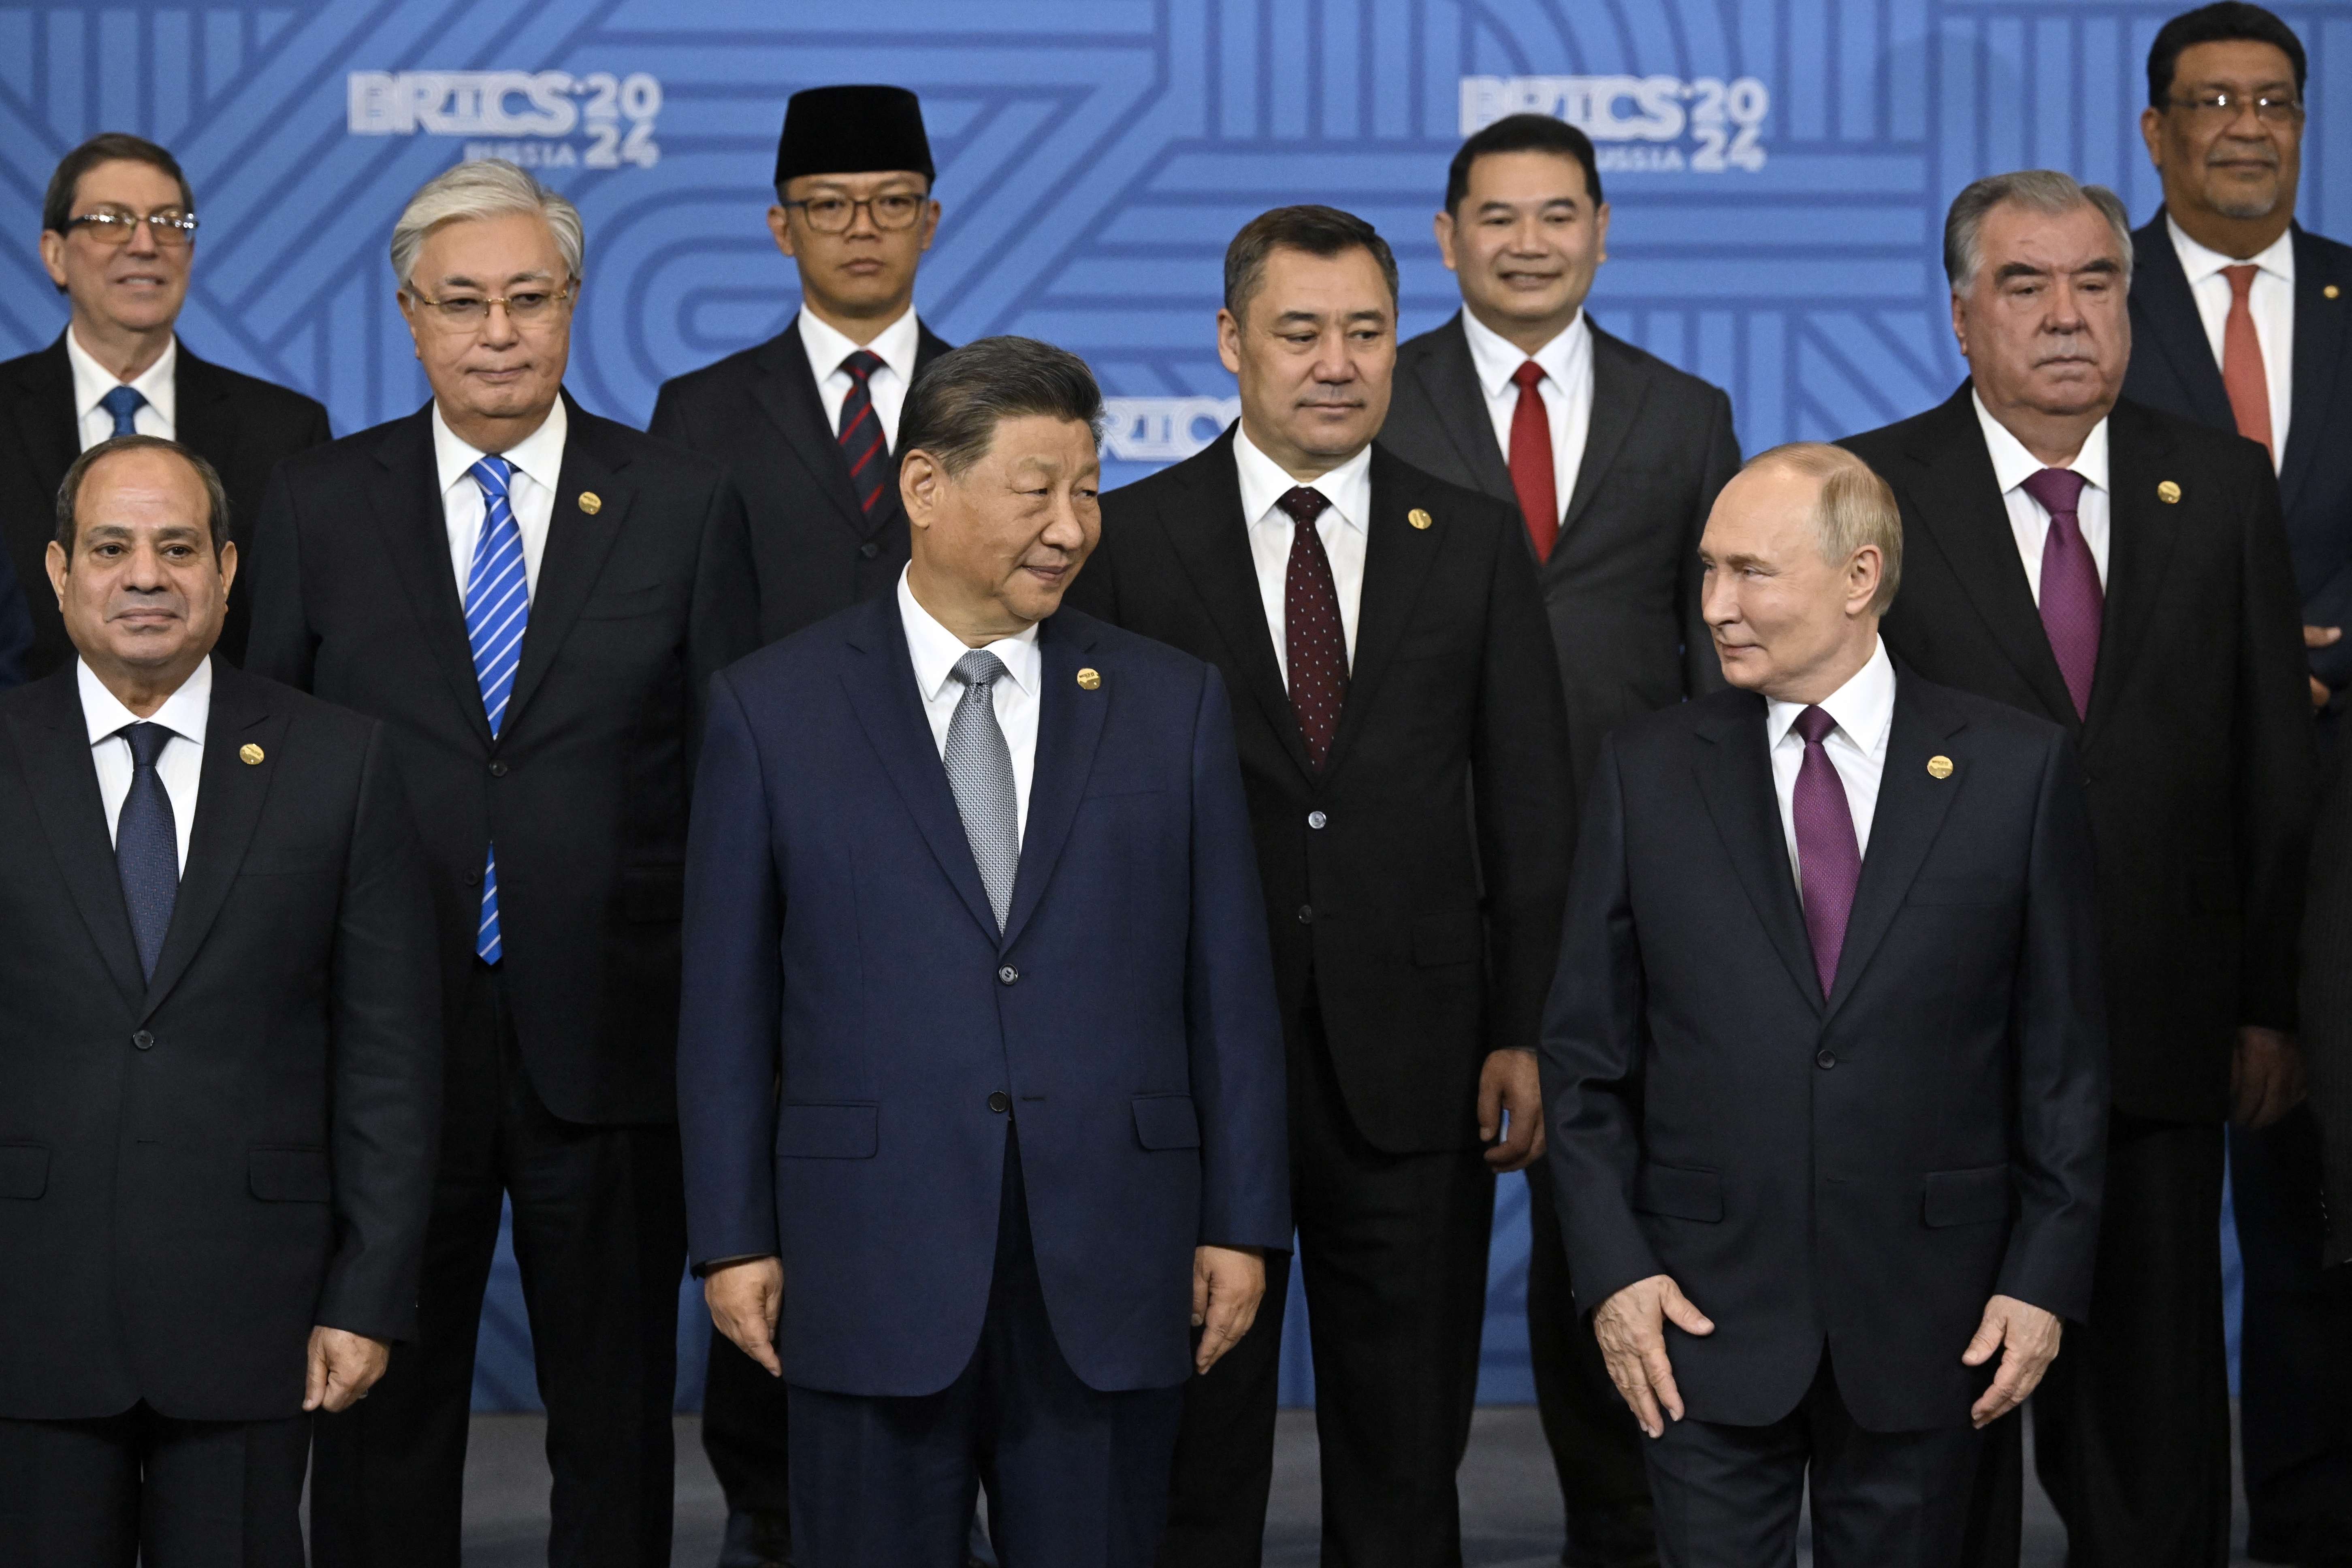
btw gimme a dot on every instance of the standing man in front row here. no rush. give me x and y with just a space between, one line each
1825 1061
533 600
220 1054
1407 762
980 1071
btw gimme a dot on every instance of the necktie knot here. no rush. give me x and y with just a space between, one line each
861 364
978 669
1304 504
493 475
122 403
147 742
1526 375
1814 724
2058 489
2241 277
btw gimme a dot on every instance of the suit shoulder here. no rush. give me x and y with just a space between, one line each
337 458
1443 338
1132 650
1154 488
318 718
1889 443
1441 496
1645 740
617 443
721 378
1986 718
1670 379
271 400
2195 441
2337 254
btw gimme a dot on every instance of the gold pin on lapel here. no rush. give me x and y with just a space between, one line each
2168 492
591 502
2330 292
1939 767
250 754
1419 518
1088 680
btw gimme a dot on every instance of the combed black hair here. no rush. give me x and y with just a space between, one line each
955 406
1317 230
2224 21
1522 133
69 492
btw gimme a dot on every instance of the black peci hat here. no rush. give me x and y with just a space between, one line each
853 131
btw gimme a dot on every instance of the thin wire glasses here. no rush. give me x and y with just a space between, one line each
464 312
2221 106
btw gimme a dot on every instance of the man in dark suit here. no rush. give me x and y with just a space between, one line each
2239 321
219 1060
979 1048
1405 750
560 589
119 239
1617 454
808 421
1824 1061
2123 574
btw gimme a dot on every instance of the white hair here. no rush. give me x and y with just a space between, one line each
2044 191
484 187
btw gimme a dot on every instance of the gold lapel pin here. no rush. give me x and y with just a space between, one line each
2330 292
250 754
1419 518
1088 680
1939 767
591 502
2168 492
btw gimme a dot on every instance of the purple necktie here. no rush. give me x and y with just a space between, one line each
1829 860
2072 601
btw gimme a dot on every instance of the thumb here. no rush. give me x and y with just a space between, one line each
1490 1108
1200 1291
314 1378
1685 1312
1989 1336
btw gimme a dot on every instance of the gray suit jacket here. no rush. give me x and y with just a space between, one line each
1622 586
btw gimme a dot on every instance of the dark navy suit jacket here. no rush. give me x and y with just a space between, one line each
851 1010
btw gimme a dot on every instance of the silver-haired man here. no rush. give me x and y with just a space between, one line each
533 600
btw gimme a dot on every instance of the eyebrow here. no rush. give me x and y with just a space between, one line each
459 280
1502 206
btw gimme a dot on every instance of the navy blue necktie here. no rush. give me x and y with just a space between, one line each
123 403
147 845
862 445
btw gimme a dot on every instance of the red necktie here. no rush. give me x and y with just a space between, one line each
1532 471
2073 604
1829 855
2241 361
1315 643
862 445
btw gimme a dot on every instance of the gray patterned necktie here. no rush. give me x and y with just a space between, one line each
980 771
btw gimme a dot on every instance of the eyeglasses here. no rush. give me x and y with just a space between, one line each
463 312
833 214
2221 106
115 226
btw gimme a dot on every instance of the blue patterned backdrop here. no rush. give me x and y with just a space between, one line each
1779 171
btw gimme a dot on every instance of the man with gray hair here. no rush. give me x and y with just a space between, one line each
2124 574
533 600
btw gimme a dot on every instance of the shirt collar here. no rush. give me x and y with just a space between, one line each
2012 465
826 347
158 383
2200 263
1863 707
183 712
935 649
1349 487
539 455
1497 358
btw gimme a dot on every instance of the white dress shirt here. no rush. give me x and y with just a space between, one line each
179 765
1566 390
536 465
935 650
2270 301
2029 522
93 381
1342 527
1864 711
896 343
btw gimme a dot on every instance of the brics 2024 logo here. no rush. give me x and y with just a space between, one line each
1644 124
525 117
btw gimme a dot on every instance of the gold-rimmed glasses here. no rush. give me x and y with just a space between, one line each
464 312
115 226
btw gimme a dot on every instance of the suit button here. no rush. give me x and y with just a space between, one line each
498 769
473 879
1317 819
1000 1102
1826 1059
1307 914
143 1040
1007 975
869 550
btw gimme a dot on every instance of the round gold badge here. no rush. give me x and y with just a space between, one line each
1418 518
249 755
1090 679
2331 291
1939 767
2168 492
591 502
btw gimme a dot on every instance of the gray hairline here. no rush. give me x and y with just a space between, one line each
2036 190
482 188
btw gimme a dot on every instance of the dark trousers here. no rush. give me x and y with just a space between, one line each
1596 1448
147 1488
1077 1478
1393 1248
2131 1428
1728 1497
2294 1375
746 1433
600 1234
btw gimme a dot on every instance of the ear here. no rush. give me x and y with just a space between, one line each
1862 578
2151 130
408 309
1443 225
227 566
53 255
1601 228
930 224
56 561
779 225
1229 340
1960 324
920 478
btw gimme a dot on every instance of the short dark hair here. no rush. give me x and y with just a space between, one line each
2224 21
106 147
955 406
69 492
1522 133
1317 230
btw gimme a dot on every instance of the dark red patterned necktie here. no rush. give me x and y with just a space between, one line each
861 430
1314 645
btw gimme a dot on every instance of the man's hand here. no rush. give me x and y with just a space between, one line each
1631 1327
2321 637
1509 1082
745 1300
2265 1076
1228 1282
343 1367
2031 1335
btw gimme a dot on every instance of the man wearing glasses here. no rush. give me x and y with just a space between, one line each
118 237
2241 321
533 600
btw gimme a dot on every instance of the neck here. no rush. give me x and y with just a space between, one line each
1303 466
2237 238
2055 439
1524 335
976 622
492 434
1826 680
860 327
143 689
128 353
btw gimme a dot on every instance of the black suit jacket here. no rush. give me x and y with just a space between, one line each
239 423
1450 765
1866 1169
2198 747
1622 586
2327 1001
758 414
585 791
2173 369
196 1169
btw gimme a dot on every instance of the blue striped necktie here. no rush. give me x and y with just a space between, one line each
497 608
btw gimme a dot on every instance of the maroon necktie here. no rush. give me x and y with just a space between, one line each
1314 645
1829 859
2072 601
862 445
1532 474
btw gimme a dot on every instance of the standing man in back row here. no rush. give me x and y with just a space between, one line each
1614 458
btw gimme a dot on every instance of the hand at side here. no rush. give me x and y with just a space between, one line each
1631 1327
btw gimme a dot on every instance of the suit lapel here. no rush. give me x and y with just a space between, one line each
577 544
2176 331
785 389
406 493
204 418
1070 724
45 415
1397 560
1449 379
2141 533
228 806
2320 348
1910 812
1735 777
54 742
1618 389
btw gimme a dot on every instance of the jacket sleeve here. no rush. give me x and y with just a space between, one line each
2327 1002
280 644
16 626
1702 669
2276 760
724 623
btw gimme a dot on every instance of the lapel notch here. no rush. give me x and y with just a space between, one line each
1735 778
1397 561
55 745
1911 804
228 808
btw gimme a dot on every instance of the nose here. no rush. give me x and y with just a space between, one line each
498 325
1719 600
143 240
